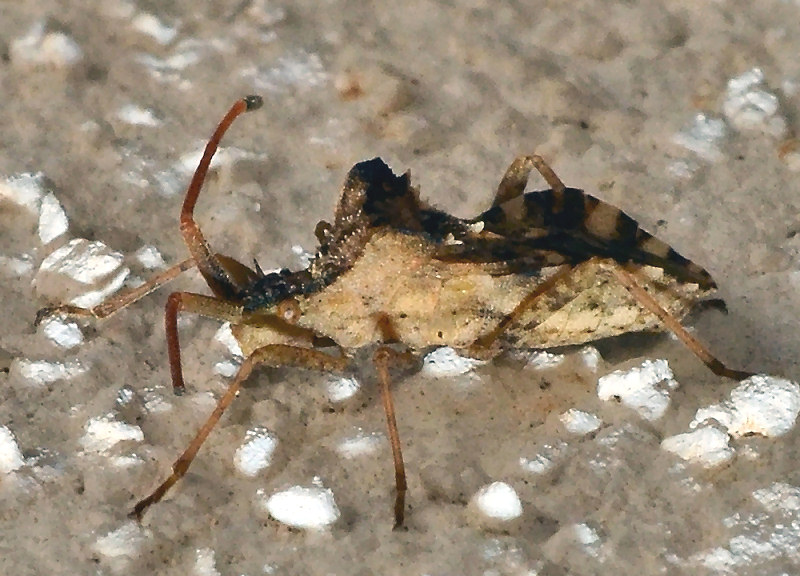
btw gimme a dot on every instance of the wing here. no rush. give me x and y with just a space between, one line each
569 226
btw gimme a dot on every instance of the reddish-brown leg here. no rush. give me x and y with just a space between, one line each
272 355
384 358
513 185
197 304
119 301
697 348
223 275
482 347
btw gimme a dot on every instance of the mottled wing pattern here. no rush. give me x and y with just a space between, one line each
567 226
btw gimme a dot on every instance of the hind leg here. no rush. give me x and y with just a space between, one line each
632 285
516 178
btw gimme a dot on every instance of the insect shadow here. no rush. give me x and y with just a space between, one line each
536 270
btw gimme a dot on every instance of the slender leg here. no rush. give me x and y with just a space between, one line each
197 304
272 355
120 301
516 178
482 346
384 358
673 325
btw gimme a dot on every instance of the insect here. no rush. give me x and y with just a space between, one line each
536 269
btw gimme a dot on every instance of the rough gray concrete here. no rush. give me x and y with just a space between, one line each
452 91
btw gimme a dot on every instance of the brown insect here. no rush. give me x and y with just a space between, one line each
535 270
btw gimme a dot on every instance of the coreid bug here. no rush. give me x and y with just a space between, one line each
535 270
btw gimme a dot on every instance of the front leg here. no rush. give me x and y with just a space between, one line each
271 355
197 304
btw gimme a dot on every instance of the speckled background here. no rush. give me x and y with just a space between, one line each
452 91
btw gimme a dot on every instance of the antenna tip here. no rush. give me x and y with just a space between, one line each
253 102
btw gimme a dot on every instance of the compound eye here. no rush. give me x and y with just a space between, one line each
289 311
322 231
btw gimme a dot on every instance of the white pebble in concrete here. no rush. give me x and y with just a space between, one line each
589 539
761 404
16 266
636 388
361 444
342 388
498 501
151 26
225 337
42 48
779 498
542 360
63 333
707 446
580 422
90 264
82 260
39 373
304 257
10 454
122 542
205 563
103 433
545 460
304 508
138 116
750 105
53 221
255 453
591 357
226 368
150 257
704 137
24 190
292 71
445 361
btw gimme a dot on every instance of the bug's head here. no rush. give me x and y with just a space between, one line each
275 288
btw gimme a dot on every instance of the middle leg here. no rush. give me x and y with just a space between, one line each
384 358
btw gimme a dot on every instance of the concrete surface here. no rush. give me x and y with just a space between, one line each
633 102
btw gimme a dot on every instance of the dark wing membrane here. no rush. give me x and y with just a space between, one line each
579 226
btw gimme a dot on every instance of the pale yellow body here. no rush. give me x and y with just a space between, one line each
436 303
